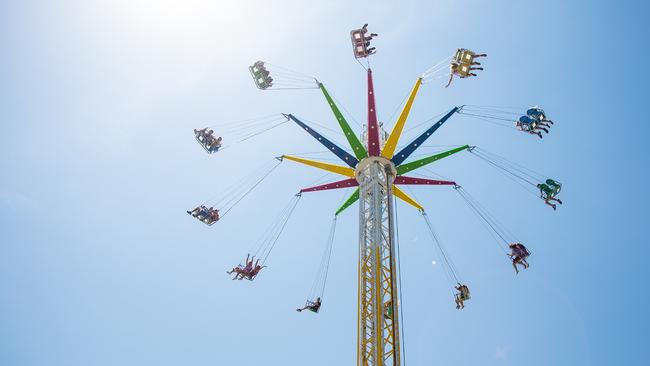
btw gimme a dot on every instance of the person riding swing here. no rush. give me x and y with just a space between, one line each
242 270
530 125
463 64
548 191
538 114
312 306
518 255
253 272
214 144
388 310
461 70
461 296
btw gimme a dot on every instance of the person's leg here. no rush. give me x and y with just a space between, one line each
481 55
514 265
539 134
476 68
472 74
548 202
555 199
520 261
238 273
449 82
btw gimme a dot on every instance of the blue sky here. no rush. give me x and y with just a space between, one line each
100 264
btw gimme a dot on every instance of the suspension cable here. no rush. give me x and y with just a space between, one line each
281 229
512 171
329 255
251 189
399 280
441 249
485 218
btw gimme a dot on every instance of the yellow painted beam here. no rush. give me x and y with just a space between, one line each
393 139
406 198
338 169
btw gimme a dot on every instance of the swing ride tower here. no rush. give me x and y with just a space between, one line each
377 170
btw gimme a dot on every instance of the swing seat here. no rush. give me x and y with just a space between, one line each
464 57
359 43
204 143
257 67
467 57
536 113
462 70
525 127
209 223
262 82
204 217
260 75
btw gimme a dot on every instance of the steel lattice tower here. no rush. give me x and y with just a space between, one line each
378 333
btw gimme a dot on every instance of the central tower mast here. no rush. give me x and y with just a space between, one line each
378 325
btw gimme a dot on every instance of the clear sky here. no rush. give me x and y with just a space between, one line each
100 265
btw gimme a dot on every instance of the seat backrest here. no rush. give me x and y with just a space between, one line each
467 57
463 70
359 43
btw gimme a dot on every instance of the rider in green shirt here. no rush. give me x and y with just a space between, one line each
548 191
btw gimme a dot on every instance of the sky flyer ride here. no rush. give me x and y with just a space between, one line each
377 169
